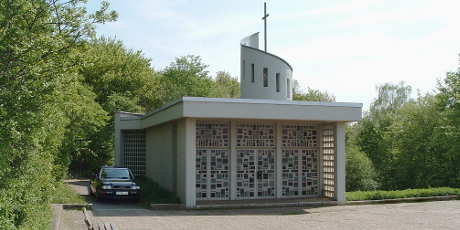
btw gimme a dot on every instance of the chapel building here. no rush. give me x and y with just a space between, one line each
260 146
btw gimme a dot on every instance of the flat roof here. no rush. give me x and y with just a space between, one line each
260 109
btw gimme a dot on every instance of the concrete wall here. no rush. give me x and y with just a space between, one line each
159 155
186 154
255 89
124 121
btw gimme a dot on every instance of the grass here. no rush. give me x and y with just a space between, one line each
152 193
63 194
408 193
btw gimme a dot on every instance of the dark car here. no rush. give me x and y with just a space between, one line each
114 182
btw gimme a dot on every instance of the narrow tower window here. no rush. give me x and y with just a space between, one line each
252 72
277 82
288 88
265 77
244 69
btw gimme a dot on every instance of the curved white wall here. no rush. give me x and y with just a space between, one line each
255 63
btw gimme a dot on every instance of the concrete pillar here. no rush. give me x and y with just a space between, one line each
117 141
233 161
340 163
186 154
279 162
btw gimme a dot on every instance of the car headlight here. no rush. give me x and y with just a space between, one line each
136 187
106 186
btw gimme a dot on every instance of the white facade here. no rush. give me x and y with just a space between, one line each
263 145
214 149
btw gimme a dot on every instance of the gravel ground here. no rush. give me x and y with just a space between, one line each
126 215
427 215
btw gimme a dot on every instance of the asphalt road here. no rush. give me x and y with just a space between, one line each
128 215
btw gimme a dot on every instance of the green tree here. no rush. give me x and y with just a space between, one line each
311 94
121 80
86 122
36 38
225 86
448 104
376 133
421 145
187 77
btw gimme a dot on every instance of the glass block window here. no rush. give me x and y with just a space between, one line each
255 173
212 174
299 136
212 135
255 135
300 172
133 151
328 160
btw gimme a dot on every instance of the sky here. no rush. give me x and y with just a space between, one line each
344 47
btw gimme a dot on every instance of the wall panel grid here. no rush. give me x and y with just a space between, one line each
300 172
133 151
300 136
328 158
212 135
212 174
255 135
255 173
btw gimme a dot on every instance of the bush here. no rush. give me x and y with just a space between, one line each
360 173
152 193
408 193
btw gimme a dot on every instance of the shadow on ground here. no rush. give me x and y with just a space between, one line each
126 207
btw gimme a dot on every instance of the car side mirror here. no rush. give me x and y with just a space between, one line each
94 175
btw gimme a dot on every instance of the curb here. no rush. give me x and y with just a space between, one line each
241 206
77 206
167 207
269 205
403 200
301 204
57 210
56 219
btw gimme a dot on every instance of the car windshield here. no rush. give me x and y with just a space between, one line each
115 173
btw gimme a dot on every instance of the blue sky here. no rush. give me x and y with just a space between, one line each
343 47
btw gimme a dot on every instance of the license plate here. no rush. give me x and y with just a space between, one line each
121 193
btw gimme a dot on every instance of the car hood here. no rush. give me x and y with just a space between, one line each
119 182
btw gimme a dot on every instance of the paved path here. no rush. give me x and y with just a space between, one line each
427 215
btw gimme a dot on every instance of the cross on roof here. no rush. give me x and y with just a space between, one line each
265 25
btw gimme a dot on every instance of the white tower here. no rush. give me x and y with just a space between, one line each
263 75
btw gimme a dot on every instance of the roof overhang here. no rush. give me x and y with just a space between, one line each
224 108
